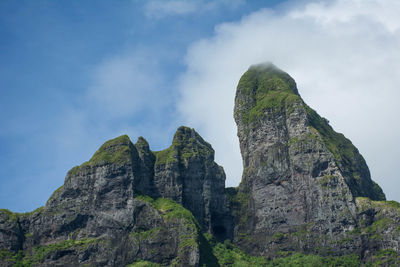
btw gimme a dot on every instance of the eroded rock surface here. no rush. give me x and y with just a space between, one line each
300 177
112 210
305 188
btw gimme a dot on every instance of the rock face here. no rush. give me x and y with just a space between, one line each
305 188
186 172
300 177
112 210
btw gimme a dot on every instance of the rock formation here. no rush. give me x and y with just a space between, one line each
301 179
112 210
305 189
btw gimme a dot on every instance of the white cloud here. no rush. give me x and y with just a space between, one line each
344 56
163 8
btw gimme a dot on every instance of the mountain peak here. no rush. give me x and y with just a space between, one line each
292 156
305 189
263 87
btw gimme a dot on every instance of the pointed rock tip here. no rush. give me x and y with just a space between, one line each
185 134
263 72
118 141
142 142
113 151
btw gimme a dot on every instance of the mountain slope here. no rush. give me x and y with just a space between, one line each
306 198
301 178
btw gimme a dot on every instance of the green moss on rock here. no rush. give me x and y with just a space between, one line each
265 87
170 210
230 255
15 216
113 151
346 155
187 144
385 257
364 203
40 252
57 191
142 263
299 259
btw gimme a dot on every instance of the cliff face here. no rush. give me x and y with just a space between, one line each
305 189
300 177
186 172
112 210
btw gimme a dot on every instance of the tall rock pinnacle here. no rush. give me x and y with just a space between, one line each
300 177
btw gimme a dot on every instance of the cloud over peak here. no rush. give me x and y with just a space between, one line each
343 55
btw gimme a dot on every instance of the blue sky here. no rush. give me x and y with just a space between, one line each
74 74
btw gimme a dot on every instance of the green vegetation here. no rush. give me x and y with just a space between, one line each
14 216
58 190
169 155
364 203
229 255
303 260
261 77
385 257
268 89
116 151
347 157
39 252
146 235
382 222
113 151
186 144
326 179
172 212
141 142
265 88
276 100
11 216
305 138
375 229
142 263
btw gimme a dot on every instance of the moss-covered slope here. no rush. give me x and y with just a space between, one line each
264 90
300 177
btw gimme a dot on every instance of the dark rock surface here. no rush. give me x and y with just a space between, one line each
104 215
186 172
305 188
300 177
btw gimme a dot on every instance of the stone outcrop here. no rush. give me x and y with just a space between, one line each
300 177
112 210
186 172
305 189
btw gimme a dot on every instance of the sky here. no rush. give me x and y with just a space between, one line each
74 75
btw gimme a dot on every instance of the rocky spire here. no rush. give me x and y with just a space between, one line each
300 177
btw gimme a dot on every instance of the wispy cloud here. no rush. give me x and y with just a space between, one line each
344 56
125 84
163 8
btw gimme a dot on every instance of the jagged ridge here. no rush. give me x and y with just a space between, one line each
305 190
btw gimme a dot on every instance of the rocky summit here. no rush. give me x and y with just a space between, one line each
306 198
